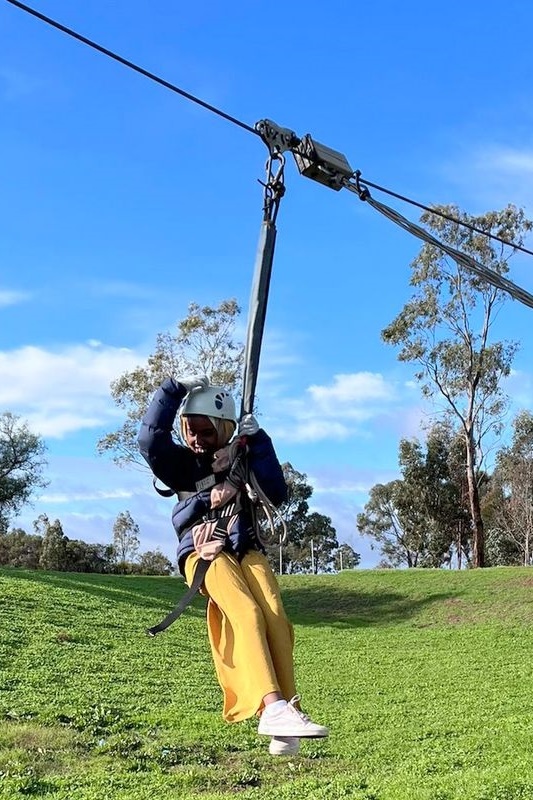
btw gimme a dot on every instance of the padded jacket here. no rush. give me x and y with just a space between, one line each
183 471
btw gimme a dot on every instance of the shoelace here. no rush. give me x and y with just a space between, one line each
292 701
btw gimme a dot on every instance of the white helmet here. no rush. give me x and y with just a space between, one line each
214 401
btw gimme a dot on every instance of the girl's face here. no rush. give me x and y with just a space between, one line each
200 434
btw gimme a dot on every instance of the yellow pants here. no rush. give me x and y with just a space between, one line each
250 635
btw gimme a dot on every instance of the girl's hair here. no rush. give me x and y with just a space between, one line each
225 429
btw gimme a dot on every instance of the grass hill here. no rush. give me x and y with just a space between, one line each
424 677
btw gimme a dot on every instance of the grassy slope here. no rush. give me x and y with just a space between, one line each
424 677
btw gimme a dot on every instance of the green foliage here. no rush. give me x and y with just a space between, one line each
346 557
125 538
417 520
153 562
21 466
54 547
311 544
203 344
423 677
446 330
49 547
510 503
20 549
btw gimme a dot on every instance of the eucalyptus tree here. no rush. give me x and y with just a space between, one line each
415 519
285 556
433 489
399 534
447 330
318 544
513 477
311 541
203 343
54 543
22 465
346 557
125 539
20 549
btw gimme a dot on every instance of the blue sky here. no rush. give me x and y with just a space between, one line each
121 203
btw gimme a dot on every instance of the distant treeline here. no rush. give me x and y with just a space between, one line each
52 550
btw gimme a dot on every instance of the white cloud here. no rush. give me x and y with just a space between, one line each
335 411
65 497
494 175
86 494
352 486
10 297
350 390
64 391
519 387
309 430
89 492
507 159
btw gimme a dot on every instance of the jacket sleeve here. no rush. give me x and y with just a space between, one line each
264 463
169 461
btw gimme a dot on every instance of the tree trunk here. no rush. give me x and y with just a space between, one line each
478 529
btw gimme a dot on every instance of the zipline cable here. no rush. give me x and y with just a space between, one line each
486 274
187 95
133 66
292 143
445 216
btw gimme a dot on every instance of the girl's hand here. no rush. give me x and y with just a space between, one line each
248 425
194 382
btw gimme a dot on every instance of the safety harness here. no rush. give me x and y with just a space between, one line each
211 532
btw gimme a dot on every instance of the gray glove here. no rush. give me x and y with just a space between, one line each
194 382
248 425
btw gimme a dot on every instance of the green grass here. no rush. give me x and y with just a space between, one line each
424 677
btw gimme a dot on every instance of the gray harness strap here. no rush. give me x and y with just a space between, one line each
220 532
199 575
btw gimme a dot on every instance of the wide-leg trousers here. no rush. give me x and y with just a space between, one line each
251 638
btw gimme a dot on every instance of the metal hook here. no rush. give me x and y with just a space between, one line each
362 191
274 188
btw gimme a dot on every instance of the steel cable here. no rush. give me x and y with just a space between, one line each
485 273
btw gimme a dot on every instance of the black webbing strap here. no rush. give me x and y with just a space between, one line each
199 575
162 492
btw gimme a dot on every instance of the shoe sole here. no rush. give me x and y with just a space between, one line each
291 752
293 732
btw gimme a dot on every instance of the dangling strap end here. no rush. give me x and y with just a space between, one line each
199 574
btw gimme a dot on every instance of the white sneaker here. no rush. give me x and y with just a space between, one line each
290 722
284 746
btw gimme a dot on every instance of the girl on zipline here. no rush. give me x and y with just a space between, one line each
250 636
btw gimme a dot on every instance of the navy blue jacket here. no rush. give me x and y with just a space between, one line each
181 470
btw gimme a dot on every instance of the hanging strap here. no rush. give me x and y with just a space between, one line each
162 492
199 574
274 191
222 524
